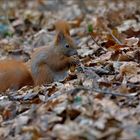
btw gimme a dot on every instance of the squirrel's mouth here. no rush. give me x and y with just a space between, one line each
73 52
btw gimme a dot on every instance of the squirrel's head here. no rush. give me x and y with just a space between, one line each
65 44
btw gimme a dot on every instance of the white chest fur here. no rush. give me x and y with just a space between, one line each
59 76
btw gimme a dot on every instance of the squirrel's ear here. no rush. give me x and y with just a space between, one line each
60 36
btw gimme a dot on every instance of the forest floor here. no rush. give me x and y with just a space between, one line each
99 101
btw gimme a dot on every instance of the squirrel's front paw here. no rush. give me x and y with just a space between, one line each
74 60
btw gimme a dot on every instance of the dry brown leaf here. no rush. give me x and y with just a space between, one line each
129 68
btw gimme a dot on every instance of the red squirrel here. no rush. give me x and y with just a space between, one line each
48 64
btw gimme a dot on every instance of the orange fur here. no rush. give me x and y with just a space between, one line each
14 75
62 26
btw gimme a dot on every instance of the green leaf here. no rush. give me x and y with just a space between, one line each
10 34
5 30
90 28
78 99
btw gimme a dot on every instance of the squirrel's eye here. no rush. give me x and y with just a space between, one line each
67 46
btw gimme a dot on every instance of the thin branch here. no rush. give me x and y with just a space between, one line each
113 93
114 37
103 91
96 42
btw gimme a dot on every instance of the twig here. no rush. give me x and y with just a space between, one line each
103 91
97 42
114 37
113 93
90 32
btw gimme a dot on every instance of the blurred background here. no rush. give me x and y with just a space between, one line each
26 24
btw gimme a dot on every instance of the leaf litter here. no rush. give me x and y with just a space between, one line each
97 101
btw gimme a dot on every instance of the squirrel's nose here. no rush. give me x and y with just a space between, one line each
72 52
75 52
